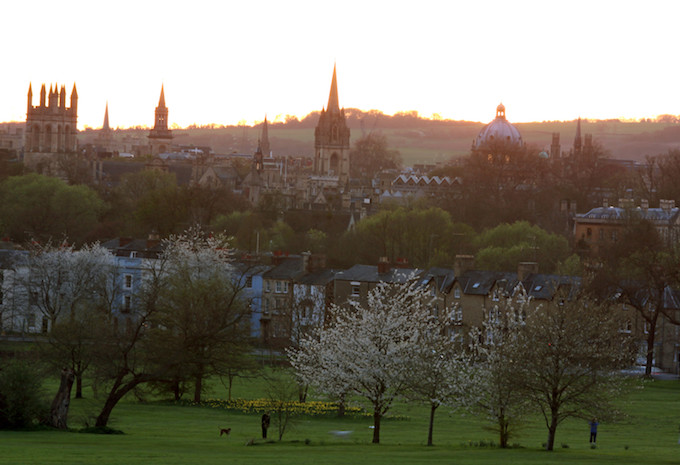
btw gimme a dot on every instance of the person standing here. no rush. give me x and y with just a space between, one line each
266 419
593 430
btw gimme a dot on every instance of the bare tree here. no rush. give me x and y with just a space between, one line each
570 355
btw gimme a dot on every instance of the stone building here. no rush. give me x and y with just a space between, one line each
51 128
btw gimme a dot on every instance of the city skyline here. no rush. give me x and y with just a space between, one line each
226 64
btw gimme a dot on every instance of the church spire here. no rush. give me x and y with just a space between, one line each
105 126
264 139
577 138
161 101
333 101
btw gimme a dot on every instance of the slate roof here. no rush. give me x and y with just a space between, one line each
123 247
289 268
369 273
655 215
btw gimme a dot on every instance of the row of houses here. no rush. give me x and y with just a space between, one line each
292 294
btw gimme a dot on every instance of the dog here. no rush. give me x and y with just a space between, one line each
225 431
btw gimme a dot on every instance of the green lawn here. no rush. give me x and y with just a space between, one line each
161 434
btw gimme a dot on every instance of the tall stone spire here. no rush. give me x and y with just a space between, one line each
106 126
161 101
577 138
264 139
333 101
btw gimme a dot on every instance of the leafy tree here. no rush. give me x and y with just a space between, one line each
44 208
370 155
569 356
366 350
21 395
494 390
437 370
123 359
150 200
425 236
640 270
503 247
201 323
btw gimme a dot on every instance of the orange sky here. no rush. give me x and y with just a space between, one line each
224 63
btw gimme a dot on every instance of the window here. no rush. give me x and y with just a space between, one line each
249 282
456 293
133 254
356 288
127 303
496 294
285 287
601 234
268 286
456 314
128 281
45 325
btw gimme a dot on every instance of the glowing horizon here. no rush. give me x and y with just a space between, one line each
224 65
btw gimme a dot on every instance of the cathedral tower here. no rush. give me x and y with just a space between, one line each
160 137
331 139
51 127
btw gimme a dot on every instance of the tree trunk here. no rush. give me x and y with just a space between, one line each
116 394
59 410
651 337
341 406
503 431
377 416
552 429
79 386
198 387
433 408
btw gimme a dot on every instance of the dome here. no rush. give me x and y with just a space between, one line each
499 131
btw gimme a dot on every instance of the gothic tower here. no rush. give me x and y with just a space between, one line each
51 127
331 139
160 137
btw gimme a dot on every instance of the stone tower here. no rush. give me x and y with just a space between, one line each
51 127
331 139
160 137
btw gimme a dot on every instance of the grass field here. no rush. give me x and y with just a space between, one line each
163 434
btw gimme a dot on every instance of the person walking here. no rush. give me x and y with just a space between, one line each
593 430
266 419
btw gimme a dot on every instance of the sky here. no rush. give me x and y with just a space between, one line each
231 62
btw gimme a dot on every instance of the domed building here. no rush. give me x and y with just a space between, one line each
498 133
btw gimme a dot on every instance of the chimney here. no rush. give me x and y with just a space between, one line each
644 204
153 240
463 263
667 205
625 203
524 269
402 262
605 202
306 266
383 265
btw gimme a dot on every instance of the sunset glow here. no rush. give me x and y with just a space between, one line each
225 62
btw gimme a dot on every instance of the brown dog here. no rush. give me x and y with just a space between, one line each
225 431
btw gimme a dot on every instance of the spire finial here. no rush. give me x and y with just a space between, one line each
333 102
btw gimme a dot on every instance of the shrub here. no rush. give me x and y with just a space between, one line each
22 403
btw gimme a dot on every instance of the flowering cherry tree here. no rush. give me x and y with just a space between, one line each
366 350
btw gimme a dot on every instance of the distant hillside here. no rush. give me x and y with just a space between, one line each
422 140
